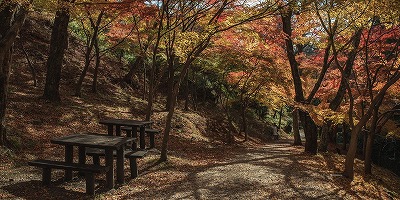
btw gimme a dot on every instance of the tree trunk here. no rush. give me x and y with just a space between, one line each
311 144
323 144
12 18
187 92
310 130
171 81
368 153
133 68
244 121
296 132
58 45
370 140
171 110
89 48
78 87
33 71
97 65
150 99
294 66
280 118
194 92
345 136
375 103
335 103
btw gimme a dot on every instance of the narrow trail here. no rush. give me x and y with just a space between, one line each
275 171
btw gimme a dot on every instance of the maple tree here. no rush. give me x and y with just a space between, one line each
200 22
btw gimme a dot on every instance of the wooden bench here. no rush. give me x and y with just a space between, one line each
131 155
88 169
149 131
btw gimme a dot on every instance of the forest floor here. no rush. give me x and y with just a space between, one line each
208 171
200 166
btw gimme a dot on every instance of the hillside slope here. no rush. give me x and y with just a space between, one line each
31 121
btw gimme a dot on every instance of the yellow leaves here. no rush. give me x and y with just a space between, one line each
320 114
186 42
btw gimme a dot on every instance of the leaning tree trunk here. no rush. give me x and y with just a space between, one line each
12 18
171 111
370 140
375 103
58 45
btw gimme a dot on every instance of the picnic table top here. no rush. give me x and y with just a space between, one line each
93 140
124 122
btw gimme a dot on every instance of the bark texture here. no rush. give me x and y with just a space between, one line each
58 45
12 18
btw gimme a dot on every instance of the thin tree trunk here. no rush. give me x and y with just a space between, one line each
370 140
171 111
89 48
244 121
345 136
323 144
335 103
280 118
171 81
187 92
194 91
152 88
133 68
368 153
296 132
58 45
12 18
375 103
97 65
33 71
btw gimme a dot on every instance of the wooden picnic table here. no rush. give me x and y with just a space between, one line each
135 124
106 142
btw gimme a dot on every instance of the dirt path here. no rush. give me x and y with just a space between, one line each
271 171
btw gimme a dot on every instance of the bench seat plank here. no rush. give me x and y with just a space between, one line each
88 169
71 166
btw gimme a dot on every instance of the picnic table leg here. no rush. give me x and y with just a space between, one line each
117 130
110 173
69 158
134 131
142 141
128 133
82 158
120 165
152 143
110 129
